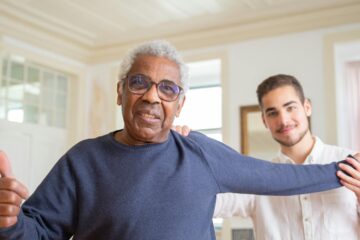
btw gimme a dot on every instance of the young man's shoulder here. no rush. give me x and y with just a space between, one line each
331 153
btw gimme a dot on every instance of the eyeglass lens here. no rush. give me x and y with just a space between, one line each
167 90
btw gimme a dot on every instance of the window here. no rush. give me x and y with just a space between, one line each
31 93
202 109
203 106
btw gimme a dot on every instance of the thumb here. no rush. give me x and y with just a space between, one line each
5 166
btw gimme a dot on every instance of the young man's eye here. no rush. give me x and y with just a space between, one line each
291 108
271 114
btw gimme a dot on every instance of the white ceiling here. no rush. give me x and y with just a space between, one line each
107 24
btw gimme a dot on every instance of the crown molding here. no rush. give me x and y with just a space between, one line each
18 13
44 40
304 21
87 52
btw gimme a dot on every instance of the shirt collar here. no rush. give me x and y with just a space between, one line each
316 151
311 158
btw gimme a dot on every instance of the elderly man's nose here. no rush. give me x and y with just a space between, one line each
152 95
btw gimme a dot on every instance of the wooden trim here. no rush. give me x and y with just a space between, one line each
244 133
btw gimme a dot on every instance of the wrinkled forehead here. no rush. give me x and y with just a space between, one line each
156 67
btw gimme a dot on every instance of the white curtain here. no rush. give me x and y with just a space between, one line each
352 95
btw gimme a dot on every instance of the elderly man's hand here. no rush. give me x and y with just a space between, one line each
352 180
12 193
183 130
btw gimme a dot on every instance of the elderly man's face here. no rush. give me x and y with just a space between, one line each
148 118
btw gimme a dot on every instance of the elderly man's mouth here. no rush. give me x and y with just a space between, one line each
148 117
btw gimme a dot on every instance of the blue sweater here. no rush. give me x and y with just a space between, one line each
102 189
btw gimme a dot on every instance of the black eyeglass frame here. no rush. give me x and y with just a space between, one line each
181 90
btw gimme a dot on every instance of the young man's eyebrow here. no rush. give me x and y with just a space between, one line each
270 109
289 103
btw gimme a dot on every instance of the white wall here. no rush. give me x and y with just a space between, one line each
101 108
344 53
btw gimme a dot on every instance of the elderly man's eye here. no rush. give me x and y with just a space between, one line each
169 87
138 82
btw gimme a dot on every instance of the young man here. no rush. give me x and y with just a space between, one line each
285 112
145 181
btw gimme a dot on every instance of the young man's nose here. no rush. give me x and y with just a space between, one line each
284 117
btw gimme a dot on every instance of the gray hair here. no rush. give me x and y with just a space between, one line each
159 48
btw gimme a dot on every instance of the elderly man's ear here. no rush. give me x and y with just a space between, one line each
183 130
119 90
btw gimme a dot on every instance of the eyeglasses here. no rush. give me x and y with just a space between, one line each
166 89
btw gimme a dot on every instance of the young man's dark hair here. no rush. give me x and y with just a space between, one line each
277 81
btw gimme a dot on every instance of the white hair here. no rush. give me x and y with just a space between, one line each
159 48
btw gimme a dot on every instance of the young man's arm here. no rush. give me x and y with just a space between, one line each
234 204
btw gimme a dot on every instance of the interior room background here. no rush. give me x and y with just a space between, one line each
58 87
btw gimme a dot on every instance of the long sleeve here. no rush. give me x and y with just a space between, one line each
50 212
241 174
233 204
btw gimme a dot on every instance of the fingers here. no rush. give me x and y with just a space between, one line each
12 193
9 210
344 178
351 187
357 156
178 129
7 180
355 188
183 130
5 166
350 175
13 185
6 222
353 166
8 197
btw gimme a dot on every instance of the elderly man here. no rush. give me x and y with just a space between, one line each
145 181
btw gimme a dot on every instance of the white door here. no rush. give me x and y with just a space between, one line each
32 150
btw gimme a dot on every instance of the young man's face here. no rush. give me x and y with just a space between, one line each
285 116
148 118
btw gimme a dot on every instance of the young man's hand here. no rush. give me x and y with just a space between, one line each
183 130
12 193
351 179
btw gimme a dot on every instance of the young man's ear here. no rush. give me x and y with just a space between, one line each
119 89
263 119
307 107
180 105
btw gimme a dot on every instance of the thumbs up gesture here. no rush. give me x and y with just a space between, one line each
12 193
